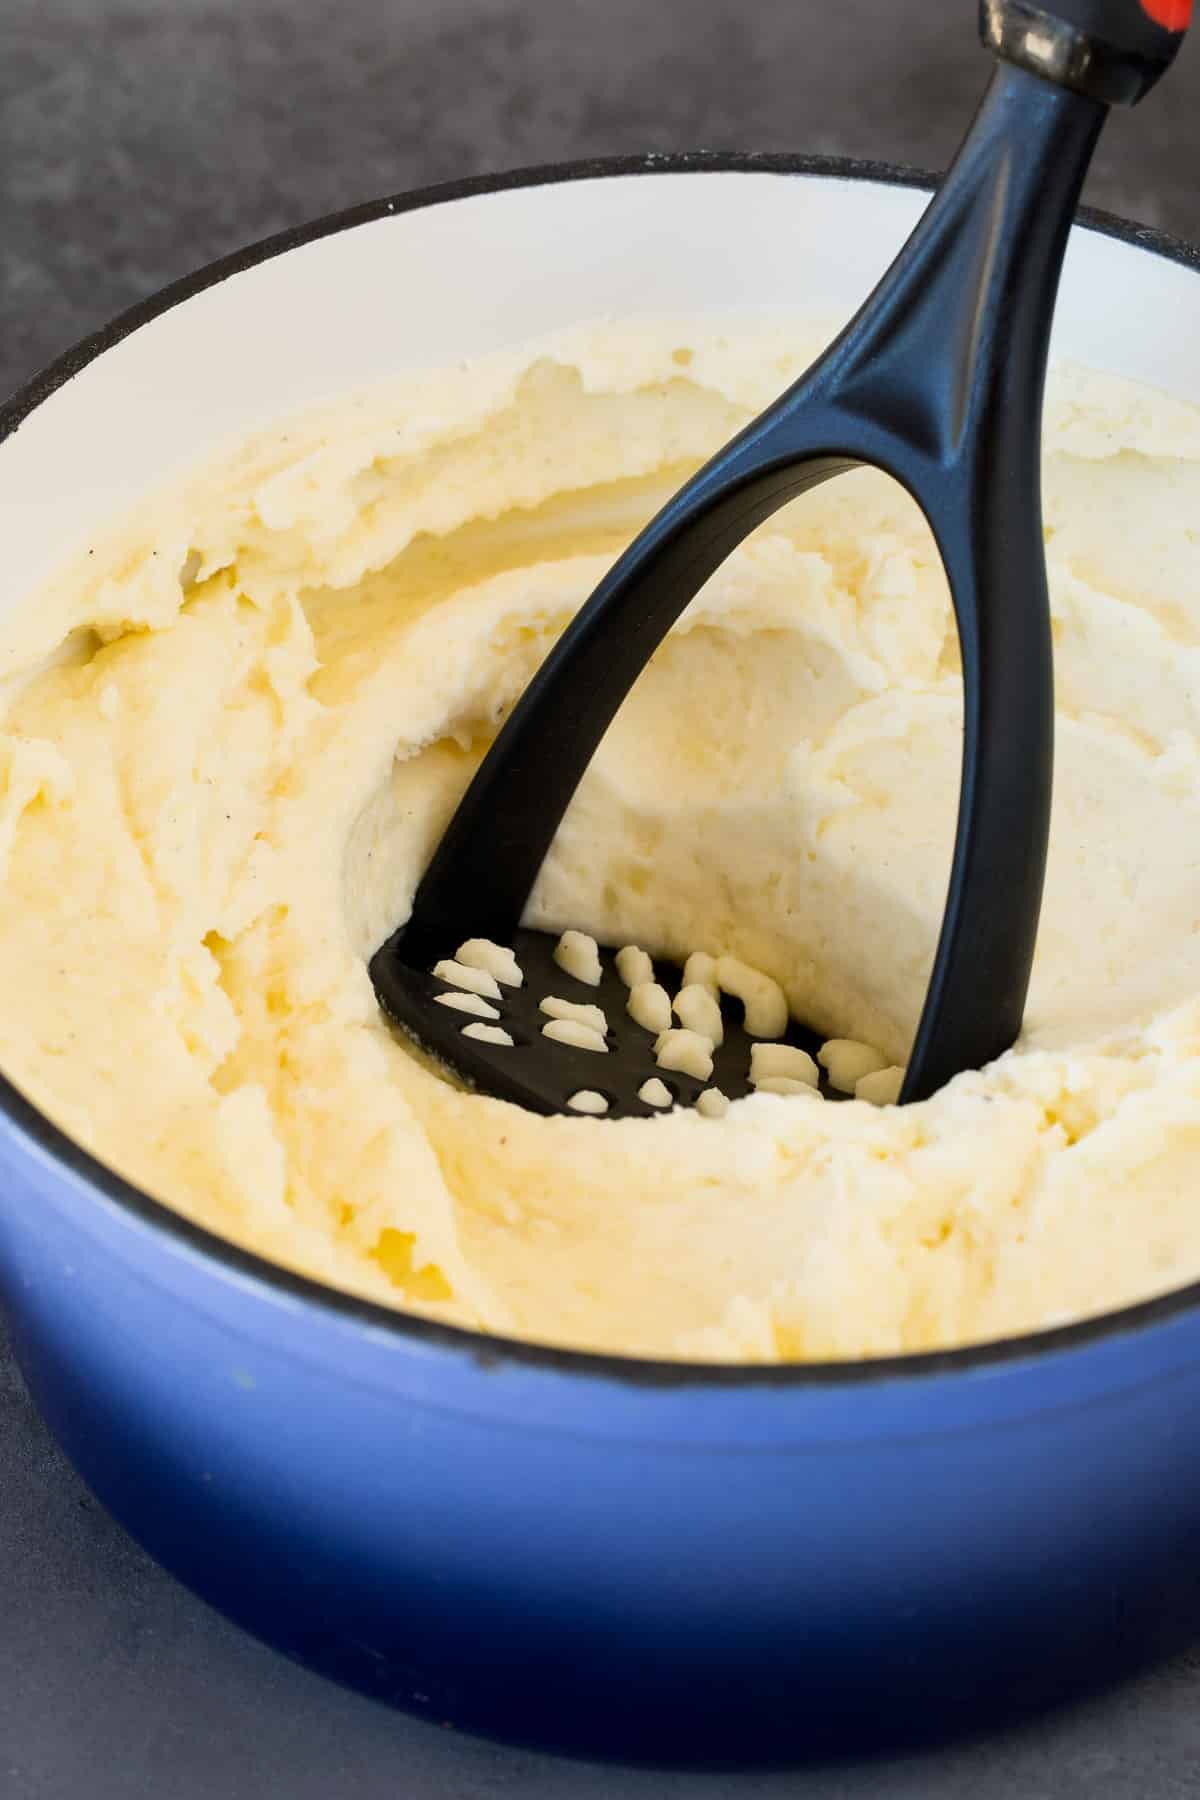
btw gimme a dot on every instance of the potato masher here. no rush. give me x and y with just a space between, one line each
938 381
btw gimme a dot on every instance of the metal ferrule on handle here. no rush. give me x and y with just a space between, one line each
1109 50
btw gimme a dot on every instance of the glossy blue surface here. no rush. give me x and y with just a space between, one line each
641 1562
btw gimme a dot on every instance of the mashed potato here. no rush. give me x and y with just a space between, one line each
234 730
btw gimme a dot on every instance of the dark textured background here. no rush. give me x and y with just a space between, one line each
139 138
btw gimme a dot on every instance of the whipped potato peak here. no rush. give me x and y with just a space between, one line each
712 1104
497 959
766 1007
593 1017
579 955
782 1062
687 1051
881 1087
469 1003
588 1101
649 1005
634 967
581 1037
655 1092
696 1008
846 1063
700 970
463 975
233 735
489 1034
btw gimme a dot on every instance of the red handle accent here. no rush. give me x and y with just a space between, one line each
1172 15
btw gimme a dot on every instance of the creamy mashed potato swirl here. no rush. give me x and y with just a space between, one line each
234 729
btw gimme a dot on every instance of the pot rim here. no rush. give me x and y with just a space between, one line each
489 1350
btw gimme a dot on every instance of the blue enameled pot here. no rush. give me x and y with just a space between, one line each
599 1554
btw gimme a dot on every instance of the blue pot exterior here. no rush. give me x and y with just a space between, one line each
618 1559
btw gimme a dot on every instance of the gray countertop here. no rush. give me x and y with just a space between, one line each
139 138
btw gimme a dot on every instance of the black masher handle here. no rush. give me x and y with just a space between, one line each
938 380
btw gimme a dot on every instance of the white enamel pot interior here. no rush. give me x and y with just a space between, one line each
424 286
